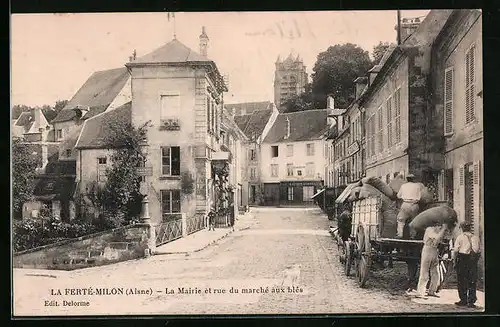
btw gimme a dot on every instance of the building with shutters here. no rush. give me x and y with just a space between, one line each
293 158
180 92
254 119
457 67
403 133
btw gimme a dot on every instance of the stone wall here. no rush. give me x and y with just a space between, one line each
98 249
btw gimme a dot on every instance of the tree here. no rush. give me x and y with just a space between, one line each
18 109
379 50
305 101
120 196
60 104
24 164
335 71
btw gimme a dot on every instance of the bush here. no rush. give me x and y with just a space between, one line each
31 233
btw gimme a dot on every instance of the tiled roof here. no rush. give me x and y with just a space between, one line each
25 120
304 125
248 107
69 141
95 130
172 52
253 125
97 93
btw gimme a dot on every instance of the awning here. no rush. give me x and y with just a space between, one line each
318 193
345 194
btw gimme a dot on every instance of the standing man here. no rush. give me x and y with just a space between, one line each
410 193
466 254
344 222
429 260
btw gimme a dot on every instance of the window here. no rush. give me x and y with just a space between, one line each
170 161
209 114
101 169
380 131
253 156
59 134
170 106
373 131
448 101
310 149
253 173
289 193
274 170
289 150
170 202
389 122
274 151
310 169
397 115
470 85
308 192
68 152
289 169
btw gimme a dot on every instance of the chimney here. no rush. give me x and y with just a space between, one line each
360 84
287 135
330 102
407 27
203 42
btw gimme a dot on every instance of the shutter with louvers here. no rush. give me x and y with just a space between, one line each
456 191
461 193
397 120
476 195
441 191
448 101
389 122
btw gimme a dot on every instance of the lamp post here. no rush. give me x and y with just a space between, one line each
145 218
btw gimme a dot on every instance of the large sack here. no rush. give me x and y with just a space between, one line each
368 191
380 185
396 183
432 216
354 195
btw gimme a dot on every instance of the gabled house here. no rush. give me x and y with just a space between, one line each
103 90
292 157
255 124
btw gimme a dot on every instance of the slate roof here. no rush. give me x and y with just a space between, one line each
247 108
253 125
97 93
172 52
95 130
25 120
304 125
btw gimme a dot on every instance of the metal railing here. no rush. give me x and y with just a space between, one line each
194 224
168 231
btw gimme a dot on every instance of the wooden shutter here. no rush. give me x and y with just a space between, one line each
441 185
469 84
476 177
461 194
397 115
389 122
448 101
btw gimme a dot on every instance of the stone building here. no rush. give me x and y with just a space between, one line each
255 123
292 158
290 78
190 138
457 80
400 135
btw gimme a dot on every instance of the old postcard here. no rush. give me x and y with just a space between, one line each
247 163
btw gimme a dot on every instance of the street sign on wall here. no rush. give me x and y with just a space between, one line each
352 149
145 171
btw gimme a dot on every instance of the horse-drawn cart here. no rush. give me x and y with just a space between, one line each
366 246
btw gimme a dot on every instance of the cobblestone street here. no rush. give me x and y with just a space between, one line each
281 247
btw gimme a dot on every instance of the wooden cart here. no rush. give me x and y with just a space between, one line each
365 244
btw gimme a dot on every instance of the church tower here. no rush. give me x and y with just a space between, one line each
290 78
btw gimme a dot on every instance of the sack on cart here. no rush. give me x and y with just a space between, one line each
380 185
432 216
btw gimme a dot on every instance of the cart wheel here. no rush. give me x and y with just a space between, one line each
348 258
363 258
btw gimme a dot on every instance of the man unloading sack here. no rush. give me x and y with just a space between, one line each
410 193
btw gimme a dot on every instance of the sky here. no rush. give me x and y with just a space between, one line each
52 55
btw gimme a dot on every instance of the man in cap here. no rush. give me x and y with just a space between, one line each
410 193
